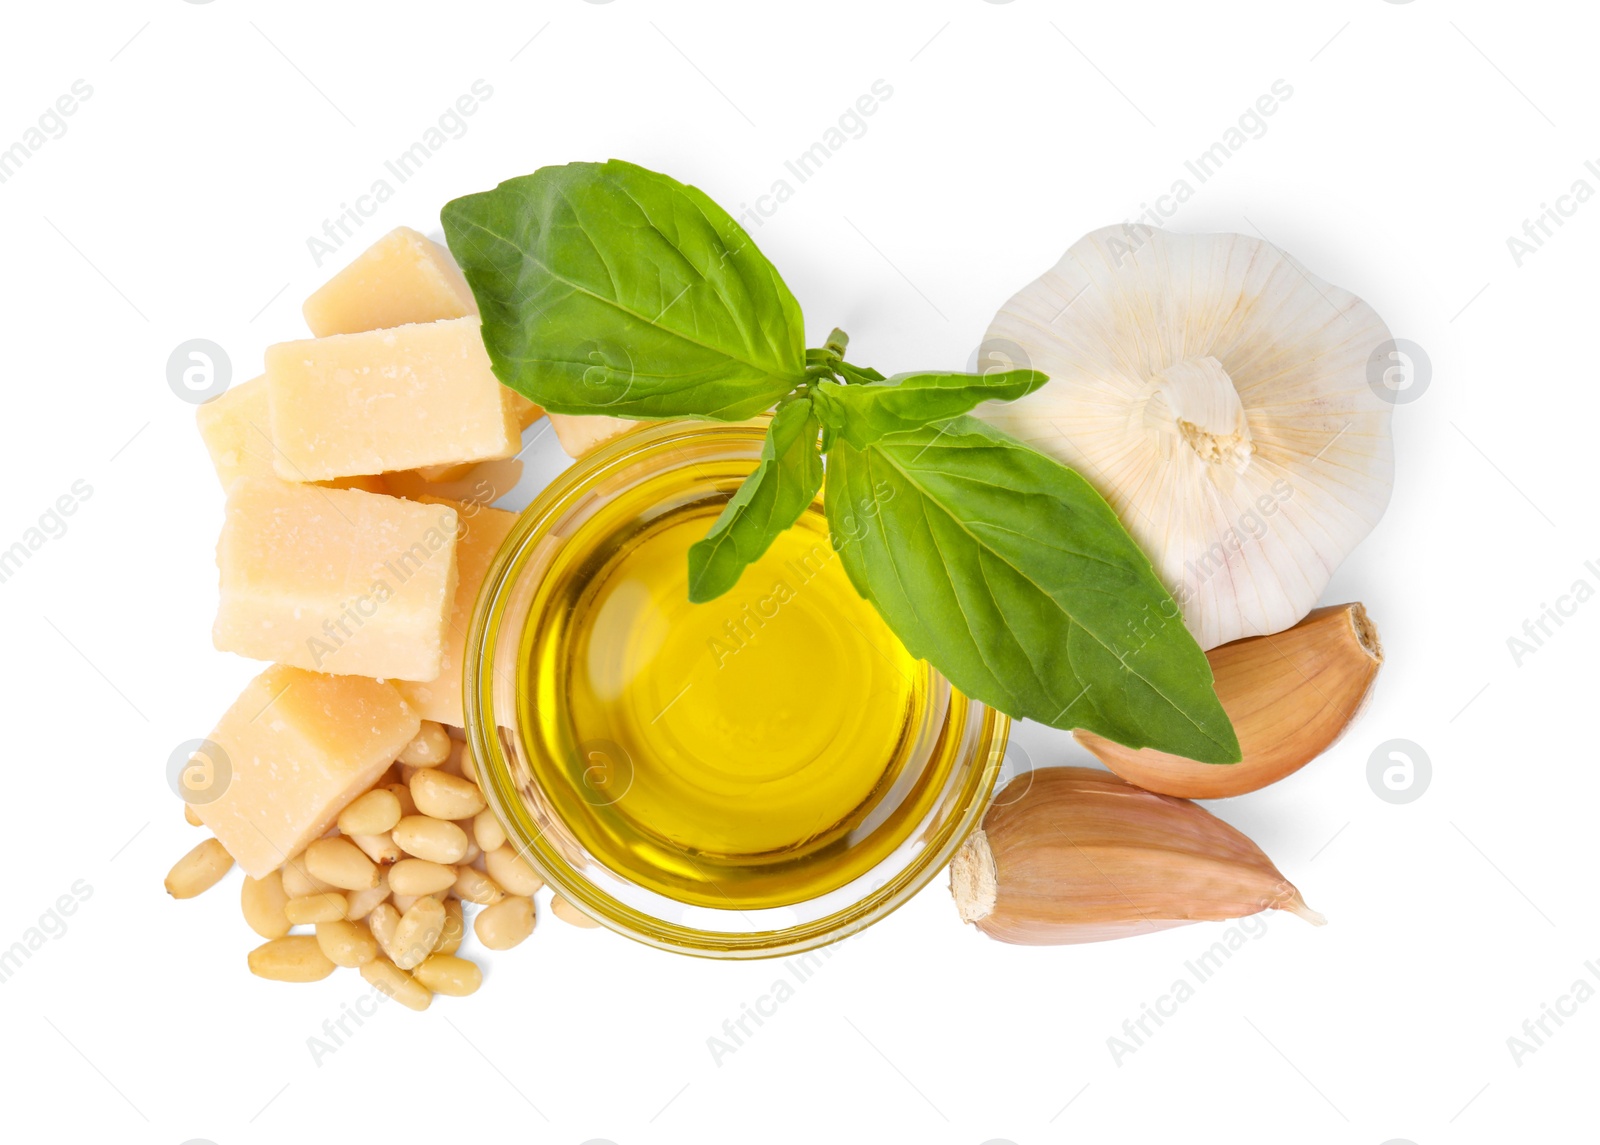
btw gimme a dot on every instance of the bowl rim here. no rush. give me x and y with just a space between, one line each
989 735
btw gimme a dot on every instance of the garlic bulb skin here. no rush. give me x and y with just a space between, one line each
1217 396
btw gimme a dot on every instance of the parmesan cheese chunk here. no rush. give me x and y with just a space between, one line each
522 409
398 398
402 278
583 433
335 580
300 747
483 530
236 428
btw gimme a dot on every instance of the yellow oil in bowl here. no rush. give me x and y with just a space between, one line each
736 752
743 778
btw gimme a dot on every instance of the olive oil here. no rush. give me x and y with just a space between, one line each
756 751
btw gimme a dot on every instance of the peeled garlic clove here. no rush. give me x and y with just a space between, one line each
1290 697
1217 396
1082 856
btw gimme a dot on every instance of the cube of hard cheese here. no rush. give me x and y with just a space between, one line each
399 398
300 746
402 278
483 530
522 409
583 433
237 428
335 580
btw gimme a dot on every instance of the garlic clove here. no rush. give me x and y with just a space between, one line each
1082 856
1217 396
1290 697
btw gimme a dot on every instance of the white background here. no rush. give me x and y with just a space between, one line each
1419 136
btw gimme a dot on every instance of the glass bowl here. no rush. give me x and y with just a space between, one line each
516 687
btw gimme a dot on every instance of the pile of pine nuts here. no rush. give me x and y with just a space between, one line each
384 892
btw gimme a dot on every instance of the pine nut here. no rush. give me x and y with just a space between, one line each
420 877
402 792
381 849
382 922
388 978
418 932
445 796
293 958
512 872
199 870
455 928
324 906
374 813
566 912
447 974
345 943
362 903
431 746
502 926
487 831
469 766
190 817
341 863
299 882
452 763
475 886
262 901
437 840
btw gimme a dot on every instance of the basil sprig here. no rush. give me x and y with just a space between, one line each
605 288
1006 571
771 499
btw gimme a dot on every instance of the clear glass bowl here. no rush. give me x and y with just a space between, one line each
662 468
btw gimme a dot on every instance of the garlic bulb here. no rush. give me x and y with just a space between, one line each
1217 396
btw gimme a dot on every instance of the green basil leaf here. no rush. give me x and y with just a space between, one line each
605 288
864 413
1009 574
858 375
770 500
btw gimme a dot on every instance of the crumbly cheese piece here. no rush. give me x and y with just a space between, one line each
483 530
335 580
402 278
237 430
300 746
522 409
399 398
583 433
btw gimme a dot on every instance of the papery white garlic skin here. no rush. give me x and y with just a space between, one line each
1216 394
